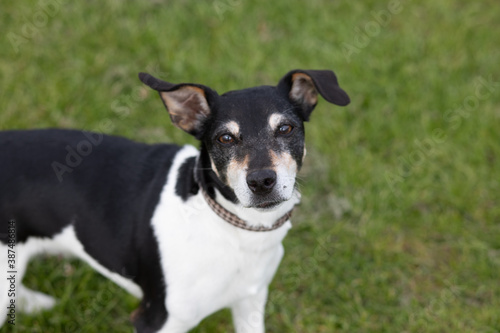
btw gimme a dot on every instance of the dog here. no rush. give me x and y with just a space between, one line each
187 231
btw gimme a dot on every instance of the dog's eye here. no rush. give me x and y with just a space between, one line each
226 139
285 129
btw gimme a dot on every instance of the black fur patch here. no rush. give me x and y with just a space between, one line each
186 185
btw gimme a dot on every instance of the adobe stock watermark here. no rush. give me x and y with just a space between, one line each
122 108
76 154
223 6
34 23
426 149
364 35
434 309
125 104
12 278
91 310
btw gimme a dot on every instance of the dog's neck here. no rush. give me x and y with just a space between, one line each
205 177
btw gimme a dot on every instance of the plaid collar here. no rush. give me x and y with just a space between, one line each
236 221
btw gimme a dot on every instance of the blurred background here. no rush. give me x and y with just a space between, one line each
399 227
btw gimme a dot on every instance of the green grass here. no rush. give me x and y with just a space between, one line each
399 229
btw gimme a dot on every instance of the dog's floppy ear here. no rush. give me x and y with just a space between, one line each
187 104
303 86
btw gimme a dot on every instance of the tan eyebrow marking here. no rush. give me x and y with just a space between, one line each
233 127
275 120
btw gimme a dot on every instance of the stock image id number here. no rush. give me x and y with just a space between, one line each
11 243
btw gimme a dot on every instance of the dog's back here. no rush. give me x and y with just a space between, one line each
78 173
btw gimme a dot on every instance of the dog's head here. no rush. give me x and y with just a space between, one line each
254 137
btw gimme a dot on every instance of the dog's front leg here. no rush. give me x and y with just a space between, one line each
248 313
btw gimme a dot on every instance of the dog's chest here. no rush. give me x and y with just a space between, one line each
209 264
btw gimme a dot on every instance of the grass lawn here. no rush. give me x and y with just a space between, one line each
399 228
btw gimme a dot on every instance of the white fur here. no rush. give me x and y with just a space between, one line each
31 301
237 179
210 264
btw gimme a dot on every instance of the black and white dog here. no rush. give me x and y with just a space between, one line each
189 232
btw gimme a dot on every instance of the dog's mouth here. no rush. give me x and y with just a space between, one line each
268 204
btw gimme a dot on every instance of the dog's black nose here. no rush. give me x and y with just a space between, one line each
261 181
